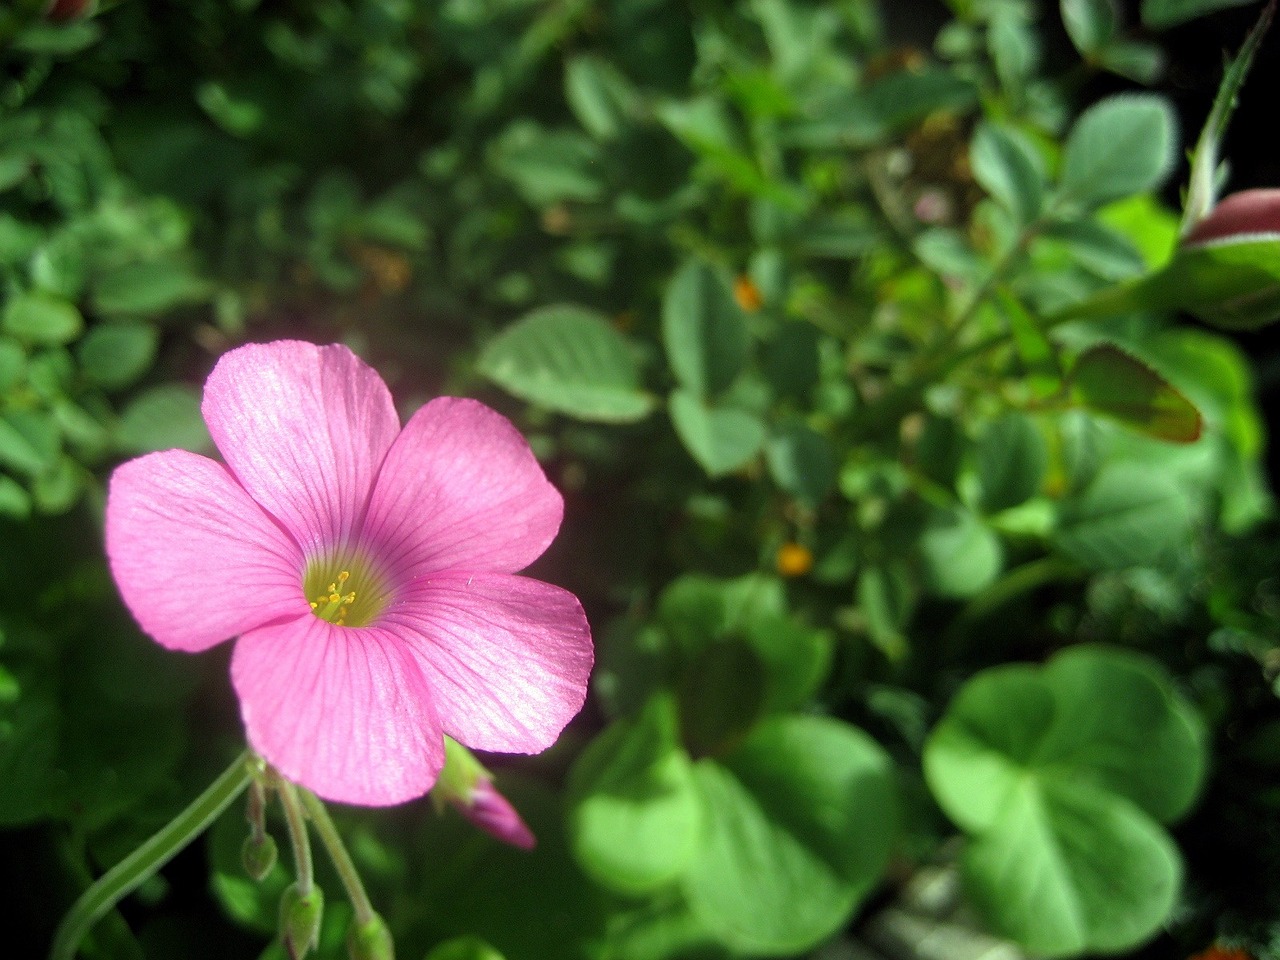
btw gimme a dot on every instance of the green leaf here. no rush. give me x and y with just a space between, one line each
721 439
42 318
721 696
13 360
148 288
15 502
703 329
29 441
801 461
161 418
1012 459
635 819
801 822
29 734
570 360
1112 383
960 553
886 601
1120 146
1233 284
1128 516
1008 167
464 948
1091 24
1162 14
548 166
603 100
115 355
1060 774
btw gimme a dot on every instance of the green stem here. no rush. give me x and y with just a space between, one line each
342 861
296 821
143 863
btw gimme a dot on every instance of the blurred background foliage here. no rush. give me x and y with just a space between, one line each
927 538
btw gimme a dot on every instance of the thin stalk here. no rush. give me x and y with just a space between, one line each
144 862
342 861
296 821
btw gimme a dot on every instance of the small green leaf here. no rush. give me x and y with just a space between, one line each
1009 168
148 288
599 95
1162 14
115 355
464 948
703 329
721 696
1120 146
570 360
42 318
801 822
1233 284
1128 516
635 819
161 418
721 439
1110 382
13 360
1091 24
29 441
960 553
548 166
1012 459
801 461
15 502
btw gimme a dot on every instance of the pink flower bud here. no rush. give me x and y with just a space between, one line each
493 813
62 11
1243 214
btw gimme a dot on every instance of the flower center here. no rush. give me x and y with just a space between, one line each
352 597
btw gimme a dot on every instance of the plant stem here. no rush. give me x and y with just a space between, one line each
144 862
296 821
342 861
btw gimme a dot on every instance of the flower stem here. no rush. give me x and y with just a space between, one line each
144 862
296 820
342 861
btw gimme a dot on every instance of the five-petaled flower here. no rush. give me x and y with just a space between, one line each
367 570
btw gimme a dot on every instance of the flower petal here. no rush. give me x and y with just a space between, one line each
304 428
461 489
196 560
344 711
507 657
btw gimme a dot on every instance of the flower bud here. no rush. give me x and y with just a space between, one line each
258 854
1248 213
466 785
300 916
62 11
370 941
493 813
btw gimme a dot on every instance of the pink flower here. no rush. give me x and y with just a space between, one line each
368 572
1248 214
493 813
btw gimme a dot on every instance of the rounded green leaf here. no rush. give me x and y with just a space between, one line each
636 818
721 439
801 820
1120 146
161 418
1012 458
960 553
1128 516
1061 774
42 318
1008 167
1110 382
570 360
703 330
115 355
801 461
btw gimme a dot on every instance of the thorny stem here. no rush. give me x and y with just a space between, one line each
144 862
342 861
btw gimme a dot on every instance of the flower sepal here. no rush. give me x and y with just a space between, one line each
300 916
370 940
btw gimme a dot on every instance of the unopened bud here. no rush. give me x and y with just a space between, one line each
258 854
371 940
300 916
1248 213
493 813
61 11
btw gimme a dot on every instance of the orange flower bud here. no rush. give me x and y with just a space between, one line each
794 560
747 294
